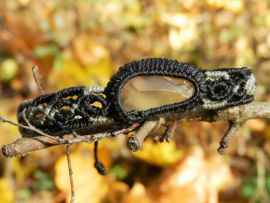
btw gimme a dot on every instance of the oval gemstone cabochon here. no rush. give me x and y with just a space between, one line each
145 92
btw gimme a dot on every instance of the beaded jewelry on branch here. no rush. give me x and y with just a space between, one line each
140 90
150 87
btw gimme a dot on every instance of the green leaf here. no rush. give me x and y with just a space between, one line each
249 187
44 181
46 50
119 171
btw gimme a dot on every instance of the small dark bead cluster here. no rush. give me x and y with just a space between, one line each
98 165
148 67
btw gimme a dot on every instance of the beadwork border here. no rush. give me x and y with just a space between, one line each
241 84
52 119
148 67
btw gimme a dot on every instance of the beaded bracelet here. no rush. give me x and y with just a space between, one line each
216 89
188 78
140 90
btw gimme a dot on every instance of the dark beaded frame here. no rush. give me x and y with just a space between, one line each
148 67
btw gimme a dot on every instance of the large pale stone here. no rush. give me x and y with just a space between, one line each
145 92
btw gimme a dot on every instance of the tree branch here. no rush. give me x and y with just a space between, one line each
236 116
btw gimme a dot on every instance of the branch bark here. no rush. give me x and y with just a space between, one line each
236 116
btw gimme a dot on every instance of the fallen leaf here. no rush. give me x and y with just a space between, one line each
89 185
6 191
196 179
161 154
88 51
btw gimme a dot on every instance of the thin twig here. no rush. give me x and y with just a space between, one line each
36 130
30 127
34 70
70 174
24 146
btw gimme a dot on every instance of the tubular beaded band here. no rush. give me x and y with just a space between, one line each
148 67
229 87
53 113
216 89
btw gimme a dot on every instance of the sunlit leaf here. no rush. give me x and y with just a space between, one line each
90 186
46 50
216 3
6 191
236 6
68 73
88 51
246 57
249 187
195 179
161 154
118 171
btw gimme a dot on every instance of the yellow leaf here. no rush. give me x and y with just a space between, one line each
73 74
235 6
267 133
89 185
161 154
216 3
6 191
196 179
178 38
88 51
256 125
